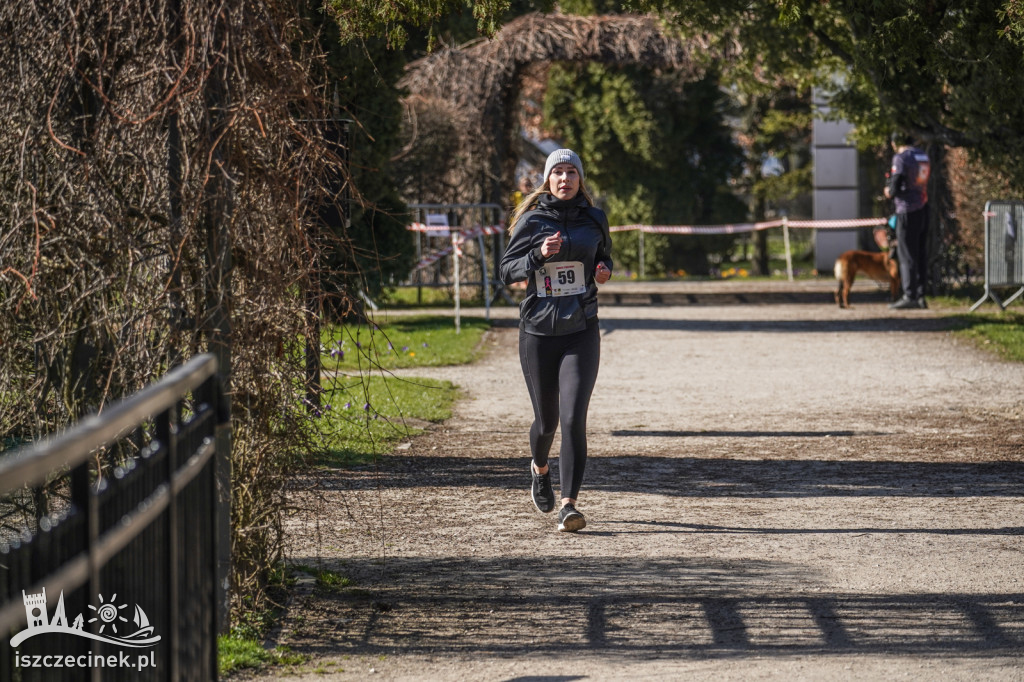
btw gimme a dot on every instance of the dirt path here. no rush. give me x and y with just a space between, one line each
777 489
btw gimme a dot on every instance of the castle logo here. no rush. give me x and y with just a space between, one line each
114 627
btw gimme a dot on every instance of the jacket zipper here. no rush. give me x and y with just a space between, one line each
568 249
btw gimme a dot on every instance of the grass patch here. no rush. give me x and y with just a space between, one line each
401 342
242 647
1002 332
326 579
368 415
364 412
237 653
332 580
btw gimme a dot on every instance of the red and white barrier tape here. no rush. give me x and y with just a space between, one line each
733 228
459 235
468 233
694 229
432 258
737 228
838 224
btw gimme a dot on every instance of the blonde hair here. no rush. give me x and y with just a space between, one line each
530 202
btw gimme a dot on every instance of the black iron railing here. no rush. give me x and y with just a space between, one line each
109 565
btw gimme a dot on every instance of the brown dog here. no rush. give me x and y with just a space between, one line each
877 266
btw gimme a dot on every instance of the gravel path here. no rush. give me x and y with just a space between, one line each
777 489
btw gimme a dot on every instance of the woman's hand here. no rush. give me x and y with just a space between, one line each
551 245
602 274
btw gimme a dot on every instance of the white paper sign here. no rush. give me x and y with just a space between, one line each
564 278
438 220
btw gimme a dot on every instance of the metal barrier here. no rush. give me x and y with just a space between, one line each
130 516
1004 250
479 223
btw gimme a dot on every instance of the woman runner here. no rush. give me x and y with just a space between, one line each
560 245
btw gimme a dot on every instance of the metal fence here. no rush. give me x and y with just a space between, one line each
1004 250
483 240
113 571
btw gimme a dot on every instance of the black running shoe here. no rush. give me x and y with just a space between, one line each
904 304
541 492
570 520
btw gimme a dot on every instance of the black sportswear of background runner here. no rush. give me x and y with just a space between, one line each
559 337
908 187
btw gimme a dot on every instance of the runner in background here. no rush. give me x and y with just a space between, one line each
561 246
908 188
525 186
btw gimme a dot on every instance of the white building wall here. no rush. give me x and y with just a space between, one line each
836 192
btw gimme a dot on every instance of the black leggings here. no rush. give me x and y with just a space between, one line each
560 373
912 247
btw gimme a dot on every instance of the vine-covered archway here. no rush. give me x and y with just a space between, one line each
479 82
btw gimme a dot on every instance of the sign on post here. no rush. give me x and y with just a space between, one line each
1004 250
438 220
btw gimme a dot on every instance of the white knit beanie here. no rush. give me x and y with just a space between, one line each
562 156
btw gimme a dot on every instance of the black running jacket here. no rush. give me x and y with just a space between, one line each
585 238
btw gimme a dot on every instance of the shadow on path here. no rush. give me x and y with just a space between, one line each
859 325
645 608
694 294
712 478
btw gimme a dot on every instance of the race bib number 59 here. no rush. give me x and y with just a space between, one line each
564 278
